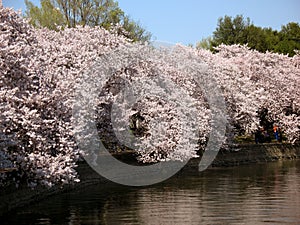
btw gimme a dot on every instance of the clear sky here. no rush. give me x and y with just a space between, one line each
188 21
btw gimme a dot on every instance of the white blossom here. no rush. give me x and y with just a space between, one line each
40 70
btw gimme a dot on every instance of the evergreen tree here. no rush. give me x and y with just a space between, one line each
289 39
239 30
231 30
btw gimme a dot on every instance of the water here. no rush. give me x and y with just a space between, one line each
255 194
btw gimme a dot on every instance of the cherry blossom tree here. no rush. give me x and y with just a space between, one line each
44 75
37 73
252 80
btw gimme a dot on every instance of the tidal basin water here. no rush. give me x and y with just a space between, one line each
255 194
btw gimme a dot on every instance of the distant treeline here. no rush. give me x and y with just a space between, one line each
240 30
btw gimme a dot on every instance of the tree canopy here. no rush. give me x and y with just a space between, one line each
240 30
230 31
56 14
50 82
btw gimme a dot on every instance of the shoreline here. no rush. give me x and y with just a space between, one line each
257 153
245 154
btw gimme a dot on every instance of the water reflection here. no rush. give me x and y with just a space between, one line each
255 194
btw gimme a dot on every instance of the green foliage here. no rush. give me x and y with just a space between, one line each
256 38
46 16
70 13
205 43
239 30
231 30
134 30
289 39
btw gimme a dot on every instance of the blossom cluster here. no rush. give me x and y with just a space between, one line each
251 81
37 75
42 73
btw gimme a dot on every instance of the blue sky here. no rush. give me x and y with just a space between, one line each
189 21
